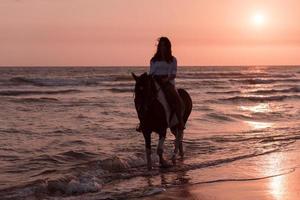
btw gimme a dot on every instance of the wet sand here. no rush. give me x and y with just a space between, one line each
282 187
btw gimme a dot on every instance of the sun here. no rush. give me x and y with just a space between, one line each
258 19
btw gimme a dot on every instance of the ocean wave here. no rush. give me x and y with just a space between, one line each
55 81
72 143
241 116
118 84
35 100
235 75
211 82
121 90
71 156
260 98
123 78
44 158
221 87
288 90
280 139
210 75
35 92
263 81
219 117
94 175
106 172
225 92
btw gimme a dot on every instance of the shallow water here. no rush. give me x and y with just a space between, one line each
70 132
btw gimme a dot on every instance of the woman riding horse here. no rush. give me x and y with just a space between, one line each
163 68
151 112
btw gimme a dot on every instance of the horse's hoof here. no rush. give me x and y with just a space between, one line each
173 159
181 155
149 166
165 164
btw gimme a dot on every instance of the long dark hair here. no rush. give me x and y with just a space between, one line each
168 57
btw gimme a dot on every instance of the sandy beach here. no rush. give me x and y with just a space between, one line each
283 186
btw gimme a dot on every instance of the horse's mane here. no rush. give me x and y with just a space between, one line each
144 78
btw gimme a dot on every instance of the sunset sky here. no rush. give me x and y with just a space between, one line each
124 32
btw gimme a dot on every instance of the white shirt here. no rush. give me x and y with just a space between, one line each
164 68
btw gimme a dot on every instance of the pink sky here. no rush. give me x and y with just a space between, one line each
124 32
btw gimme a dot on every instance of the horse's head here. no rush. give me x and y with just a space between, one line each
144 92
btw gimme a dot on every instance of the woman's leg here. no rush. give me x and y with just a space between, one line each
175 102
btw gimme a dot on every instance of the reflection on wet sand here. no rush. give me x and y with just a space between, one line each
274 162
281 182
277 185
286 184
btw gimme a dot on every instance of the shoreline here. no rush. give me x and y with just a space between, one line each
284 186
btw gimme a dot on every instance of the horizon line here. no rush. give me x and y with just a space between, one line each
273 65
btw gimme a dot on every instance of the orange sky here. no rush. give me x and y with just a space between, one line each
124 32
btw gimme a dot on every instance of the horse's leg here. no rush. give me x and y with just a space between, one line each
160 148
178 139
181 153
147 137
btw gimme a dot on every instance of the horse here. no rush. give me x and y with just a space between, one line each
152 117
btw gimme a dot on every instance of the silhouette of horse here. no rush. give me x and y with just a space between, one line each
153 117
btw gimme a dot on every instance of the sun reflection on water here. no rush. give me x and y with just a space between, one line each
259 108
274 162
259 125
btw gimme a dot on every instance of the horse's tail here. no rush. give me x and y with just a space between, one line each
188 103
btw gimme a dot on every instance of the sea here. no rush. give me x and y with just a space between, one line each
69 132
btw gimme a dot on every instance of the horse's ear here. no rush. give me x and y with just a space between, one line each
134 76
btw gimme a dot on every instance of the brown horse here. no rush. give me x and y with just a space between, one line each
153 118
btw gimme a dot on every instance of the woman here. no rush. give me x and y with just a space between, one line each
163 67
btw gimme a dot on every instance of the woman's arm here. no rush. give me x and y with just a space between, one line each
152 68
172 69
